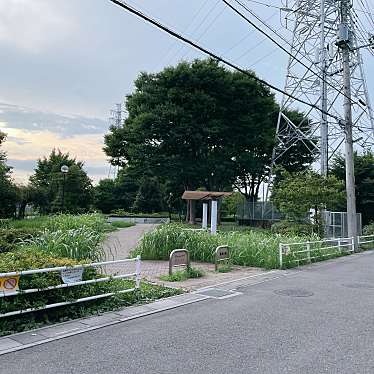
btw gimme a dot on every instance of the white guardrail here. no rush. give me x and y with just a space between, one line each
305 252
136 275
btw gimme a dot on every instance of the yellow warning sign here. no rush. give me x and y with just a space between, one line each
9 284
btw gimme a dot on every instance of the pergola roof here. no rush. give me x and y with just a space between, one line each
204 195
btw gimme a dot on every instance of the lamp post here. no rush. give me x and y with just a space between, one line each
64 171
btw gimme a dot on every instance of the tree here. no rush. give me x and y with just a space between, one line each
105 196
149 198
8 194
199 125
364 175
297 193
49 180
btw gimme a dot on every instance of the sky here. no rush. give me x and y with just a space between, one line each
65 64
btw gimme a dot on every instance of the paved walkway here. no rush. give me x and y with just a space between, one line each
120 243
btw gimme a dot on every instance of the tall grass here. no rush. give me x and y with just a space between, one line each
248 248
79 244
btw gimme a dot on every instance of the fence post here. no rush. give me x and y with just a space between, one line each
280 255
138 271
308 252
340 245
352 244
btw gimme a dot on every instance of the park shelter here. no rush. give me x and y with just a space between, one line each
207 197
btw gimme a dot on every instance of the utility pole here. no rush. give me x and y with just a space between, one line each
344 44
324 130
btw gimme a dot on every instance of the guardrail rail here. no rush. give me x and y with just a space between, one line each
135 275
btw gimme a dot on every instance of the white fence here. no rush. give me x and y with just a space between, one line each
304 253
135 275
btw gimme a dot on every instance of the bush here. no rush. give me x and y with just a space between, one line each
122 224
369 229
31 258
11 238
248 248
293 228
182 275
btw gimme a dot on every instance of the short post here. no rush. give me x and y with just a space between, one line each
138 271
280 255
308 252
205 216
213 221
222 253
179 257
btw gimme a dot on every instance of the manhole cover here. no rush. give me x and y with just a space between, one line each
217 293
294 292
366 286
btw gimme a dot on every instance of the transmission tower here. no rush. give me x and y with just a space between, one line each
115 120
319 80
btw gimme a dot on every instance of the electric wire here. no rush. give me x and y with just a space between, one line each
160 26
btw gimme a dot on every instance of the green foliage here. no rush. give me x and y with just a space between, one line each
123 213
31 258
230 204
248 248
364 177
78 244
369 229
294 228
199 125
122 224
149 198
11 238
8 191
52 184
297 193
182 275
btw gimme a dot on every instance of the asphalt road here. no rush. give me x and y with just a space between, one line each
265 330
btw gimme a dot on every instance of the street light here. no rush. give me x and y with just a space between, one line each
64 171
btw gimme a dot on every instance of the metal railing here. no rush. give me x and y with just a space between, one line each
136 275
306 252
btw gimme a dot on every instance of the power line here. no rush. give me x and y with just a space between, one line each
279 45
152 21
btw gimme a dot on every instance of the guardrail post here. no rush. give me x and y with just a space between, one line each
280 255
308 252
138 271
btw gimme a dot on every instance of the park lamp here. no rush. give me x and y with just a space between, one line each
64 169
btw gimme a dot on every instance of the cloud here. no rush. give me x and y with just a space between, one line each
32 135
33 25
18 117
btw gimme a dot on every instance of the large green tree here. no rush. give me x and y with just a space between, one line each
199 125
364 175
49 181
8 193
296 193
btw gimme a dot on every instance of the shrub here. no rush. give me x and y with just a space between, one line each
293 228
369 229
32 258
122 224
248 248
11 238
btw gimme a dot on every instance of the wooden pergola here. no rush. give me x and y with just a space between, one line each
206 197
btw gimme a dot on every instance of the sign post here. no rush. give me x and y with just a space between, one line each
179 257
222 254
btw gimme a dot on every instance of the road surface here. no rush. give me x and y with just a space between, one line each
319 319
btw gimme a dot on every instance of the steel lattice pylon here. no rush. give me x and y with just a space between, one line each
315 29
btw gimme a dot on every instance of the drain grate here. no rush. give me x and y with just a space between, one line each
217 293
365 286
294 292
